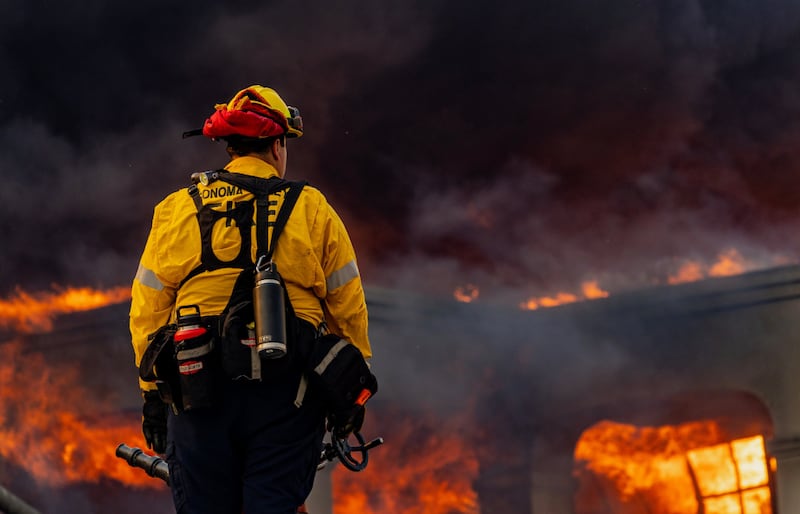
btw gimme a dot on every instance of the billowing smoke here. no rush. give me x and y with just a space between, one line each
526 144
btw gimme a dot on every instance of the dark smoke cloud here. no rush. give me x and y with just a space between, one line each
527 144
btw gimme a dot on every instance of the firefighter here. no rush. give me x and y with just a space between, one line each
242 433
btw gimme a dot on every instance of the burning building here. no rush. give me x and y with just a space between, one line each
669 400
672 400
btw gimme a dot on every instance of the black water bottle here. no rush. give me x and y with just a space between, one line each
269 309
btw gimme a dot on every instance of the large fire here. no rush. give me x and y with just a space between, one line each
28 312
44 432
683 469
50 427
49 424
428 467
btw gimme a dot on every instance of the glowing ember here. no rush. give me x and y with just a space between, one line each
43 430
26 312
672 469
424 469
466 294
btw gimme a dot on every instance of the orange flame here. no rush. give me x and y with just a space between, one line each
27 312
466 294
729 262
672 469
432 473
688 272
590 290
43 430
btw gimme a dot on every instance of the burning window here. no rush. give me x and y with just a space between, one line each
732 477
691 468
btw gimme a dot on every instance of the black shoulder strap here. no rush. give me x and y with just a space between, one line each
261 189
283 216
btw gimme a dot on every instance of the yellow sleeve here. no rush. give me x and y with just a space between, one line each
152 297
344 303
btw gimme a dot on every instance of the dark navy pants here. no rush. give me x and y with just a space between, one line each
255 453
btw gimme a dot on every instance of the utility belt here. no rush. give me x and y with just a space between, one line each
188 360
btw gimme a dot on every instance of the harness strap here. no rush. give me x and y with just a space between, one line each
195 194
241 213
262 223
261 188
283 216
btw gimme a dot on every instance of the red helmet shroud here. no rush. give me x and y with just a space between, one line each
254 112
256 122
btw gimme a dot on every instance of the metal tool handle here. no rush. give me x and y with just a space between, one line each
153 466
342 450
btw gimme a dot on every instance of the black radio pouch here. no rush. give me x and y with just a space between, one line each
198 363
187 373
338 369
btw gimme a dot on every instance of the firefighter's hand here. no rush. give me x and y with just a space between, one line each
344 422
154 421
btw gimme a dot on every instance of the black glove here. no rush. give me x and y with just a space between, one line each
344 422
154 421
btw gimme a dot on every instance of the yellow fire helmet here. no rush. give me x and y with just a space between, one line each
255 112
